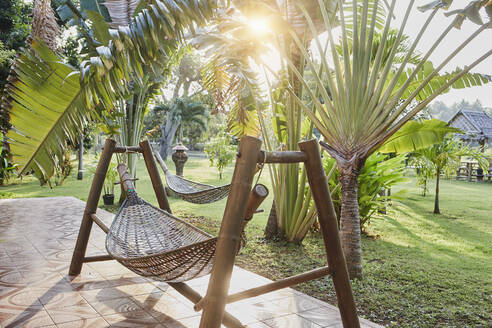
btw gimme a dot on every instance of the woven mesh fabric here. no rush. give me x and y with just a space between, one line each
153 243
195 192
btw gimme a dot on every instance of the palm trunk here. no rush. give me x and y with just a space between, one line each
271 229
350 224
436 199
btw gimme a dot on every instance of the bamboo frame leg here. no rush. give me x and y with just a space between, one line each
230 233
91 207
185 290
329 229
154 176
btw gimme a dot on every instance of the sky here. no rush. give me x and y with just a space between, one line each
474 50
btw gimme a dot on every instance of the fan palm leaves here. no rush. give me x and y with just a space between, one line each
361 100
58 97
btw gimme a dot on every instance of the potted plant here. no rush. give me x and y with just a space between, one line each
111 177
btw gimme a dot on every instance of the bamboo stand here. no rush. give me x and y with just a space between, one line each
240 206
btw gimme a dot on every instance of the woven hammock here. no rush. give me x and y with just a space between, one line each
153 243
191 191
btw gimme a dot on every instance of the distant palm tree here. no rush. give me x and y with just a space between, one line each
181 113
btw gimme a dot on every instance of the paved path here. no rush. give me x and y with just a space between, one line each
37 236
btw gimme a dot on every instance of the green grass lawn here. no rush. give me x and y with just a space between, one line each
421 269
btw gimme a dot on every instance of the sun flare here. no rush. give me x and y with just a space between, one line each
258 25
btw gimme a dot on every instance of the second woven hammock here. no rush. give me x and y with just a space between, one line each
191 191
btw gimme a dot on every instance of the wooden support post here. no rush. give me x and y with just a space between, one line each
160 193
229 321
283 157
329 229
97 258
230 233
99 222
279 284
182 288
91 207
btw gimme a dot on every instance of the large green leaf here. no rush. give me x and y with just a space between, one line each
465 81
45 110
415 135
48 100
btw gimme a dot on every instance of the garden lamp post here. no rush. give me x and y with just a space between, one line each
179 158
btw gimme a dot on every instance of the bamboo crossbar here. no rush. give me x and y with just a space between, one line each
97 258
98 221
192 295
129 149
279 284
281 157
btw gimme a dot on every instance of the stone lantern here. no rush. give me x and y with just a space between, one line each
179 158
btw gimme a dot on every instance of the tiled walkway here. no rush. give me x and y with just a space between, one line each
37 236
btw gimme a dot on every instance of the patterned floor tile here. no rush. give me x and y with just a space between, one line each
34 266
290 321
72 313
27 318
115 305
131 319
322 316
85 323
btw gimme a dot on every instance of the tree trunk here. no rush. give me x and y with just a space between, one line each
436 199
80 172
168 128
350 224
271 229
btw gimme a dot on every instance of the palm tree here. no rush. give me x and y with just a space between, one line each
180 113
60 98
365 99
444 158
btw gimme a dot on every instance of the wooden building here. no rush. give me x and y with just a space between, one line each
476 124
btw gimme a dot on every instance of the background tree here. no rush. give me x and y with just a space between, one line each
174 117
370 96
444 158
221 150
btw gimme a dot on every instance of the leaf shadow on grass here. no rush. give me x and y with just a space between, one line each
452 227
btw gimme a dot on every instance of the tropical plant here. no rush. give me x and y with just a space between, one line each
444 158
363 97
61 98
111 177
248 31
380 173
180 113
221 150
6 167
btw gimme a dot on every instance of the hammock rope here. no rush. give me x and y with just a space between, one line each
153 243
191 191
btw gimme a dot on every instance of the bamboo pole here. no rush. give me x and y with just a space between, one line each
279 284
281 157
97 258
256 197
154 176
91 207
329 229
230 233
128 149
99 222
229 321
